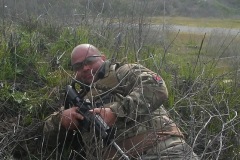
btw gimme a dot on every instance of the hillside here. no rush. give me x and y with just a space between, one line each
213 8
66 10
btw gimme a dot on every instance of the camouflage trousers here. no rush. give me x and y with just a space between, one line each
180 151
174 148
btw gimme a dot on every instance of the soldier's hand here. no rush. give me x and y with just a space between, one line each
107 115
70 118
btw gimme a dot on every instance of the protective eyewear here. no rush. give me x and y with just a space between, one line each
87 61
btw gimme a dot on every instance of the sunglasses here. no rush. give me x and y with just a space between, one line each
87 61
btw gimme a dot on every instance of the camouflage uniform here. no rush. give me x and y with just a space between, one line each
143 128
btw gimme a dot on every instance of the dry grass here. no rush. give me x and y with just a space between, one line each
197 22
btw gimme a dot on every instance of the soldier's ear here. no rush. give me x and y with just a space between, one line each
103 57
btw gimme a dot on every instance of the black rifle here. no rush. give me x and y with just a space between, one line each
101 128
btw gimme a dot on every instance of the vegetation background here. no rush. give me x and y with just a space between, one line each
201 70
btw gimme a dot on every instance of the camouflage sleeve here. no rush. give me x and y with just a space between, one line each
144 91
57 138
52 131
52 123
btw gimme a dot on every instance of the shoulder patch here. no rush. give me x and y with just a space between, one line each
157 78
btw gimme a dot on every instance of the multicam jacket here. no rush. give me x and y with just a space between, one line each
135 94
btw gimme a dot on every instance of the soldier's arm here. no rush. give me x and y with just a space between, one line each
145 92
67 119
52 130
58 125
